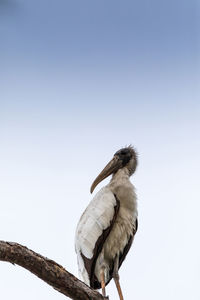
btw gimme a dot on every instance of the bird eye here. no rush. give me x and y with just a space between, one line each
123 152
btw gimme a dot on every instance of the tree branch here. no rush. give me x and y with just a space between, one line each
47 270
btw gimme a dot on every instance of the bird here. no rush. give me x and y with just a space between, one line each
107 227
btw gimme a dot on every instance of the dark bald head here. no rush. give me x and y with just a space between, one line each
128 157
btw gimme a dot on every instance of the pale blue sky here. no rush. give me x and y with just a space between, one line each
79 80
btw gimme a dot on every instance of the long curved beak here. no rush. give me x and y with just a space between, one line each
109 169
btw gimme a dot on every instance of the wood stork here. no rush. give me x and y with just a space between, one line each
107 227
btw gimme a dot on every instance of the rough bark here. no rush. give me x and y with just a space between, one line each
48 270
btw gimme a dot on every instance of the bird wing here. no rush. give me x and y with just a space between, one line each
93 228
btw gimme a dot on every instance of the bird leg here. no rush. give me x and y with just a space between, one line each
116 277
103 284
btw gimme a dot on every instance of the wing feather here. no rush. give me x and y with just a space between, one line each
92 230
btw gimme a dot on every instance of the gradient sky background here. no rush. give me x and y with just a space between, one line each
79 80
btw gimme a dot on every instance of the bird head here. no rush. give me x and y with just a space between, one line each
123 158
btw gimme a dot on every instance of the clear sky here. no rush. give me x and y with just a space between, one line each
78 81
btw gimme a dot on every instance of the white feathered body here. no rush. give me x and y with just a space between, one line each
98 216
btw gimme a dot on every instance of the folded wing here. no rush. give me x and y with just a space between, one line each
93 228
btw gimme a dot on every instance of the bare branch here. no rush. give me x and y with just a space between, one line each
48 270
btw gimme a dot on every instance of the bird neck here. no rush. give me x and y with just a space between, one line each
120 177
123 189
